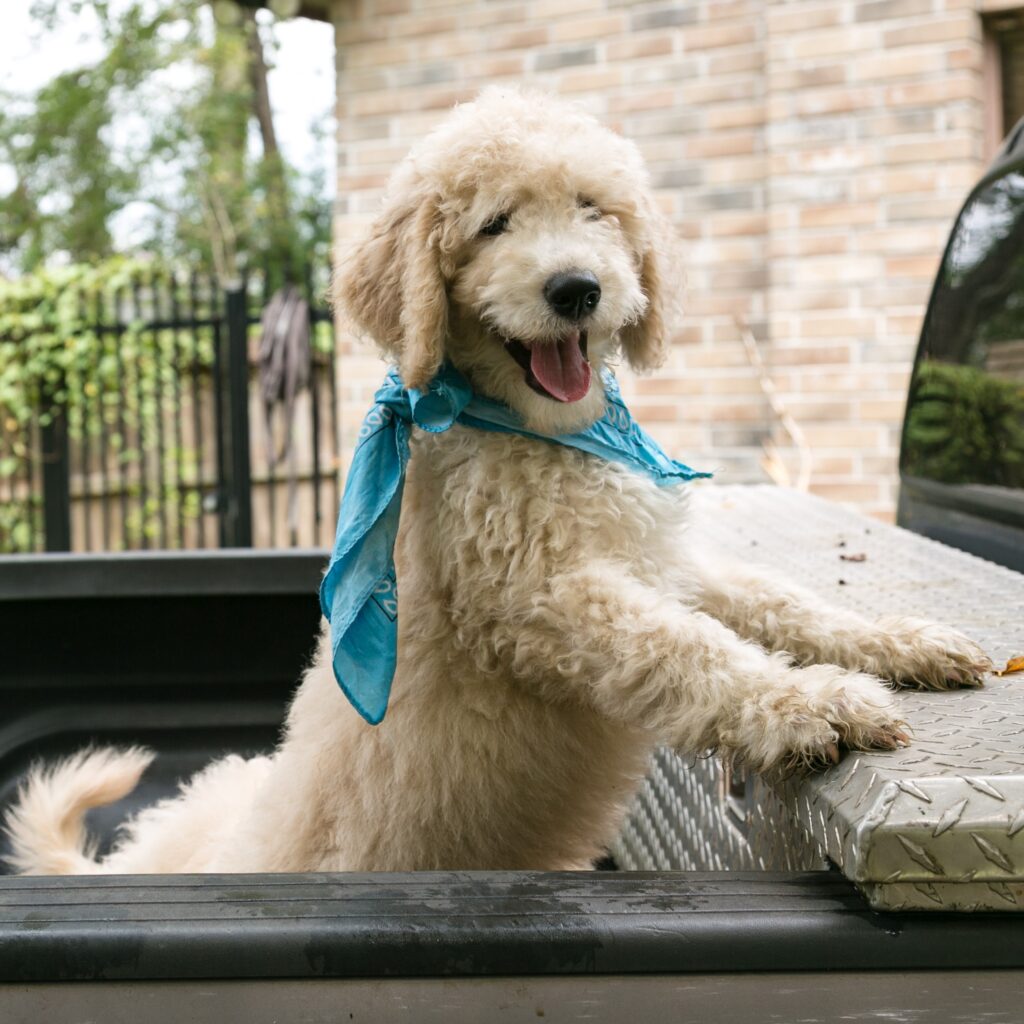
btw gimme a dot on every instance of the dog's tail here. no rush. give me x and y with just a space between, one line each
46 825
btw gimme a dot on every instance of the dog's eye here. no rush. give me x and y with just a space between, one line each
495 226
590 209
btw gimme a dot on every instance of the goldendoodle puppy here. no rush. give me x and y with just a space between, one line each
554 624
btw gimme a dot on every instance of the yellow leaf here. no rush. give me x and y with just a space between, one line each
1012 666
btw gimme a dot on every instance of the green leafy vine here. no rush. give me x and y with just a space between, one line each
86 343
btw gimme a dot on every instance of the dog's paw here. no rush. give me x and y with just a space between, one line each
804 722
923 655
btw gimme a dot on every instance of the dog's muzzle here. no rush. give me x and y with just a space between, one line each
558 368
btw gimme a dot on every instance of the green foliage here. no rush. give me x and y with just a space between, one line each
965 426
209 197
79 342
115 385
68 185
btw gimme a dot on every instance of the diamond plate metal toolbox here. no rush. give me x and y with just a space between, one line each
936 826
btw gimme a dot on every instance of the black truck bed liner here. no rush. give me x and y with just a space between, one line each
195 656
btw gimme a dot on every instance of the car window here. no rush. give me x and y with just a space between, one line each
965 412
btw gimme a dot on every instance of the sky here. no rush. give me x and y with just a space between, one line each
301 82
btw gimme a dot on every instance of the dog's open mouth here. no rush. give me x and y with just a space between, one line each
557 369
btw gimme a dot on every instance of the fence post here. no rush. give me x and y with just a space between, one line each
233 429
56 473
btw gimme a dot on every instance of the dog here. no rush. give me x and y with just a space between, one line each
556 624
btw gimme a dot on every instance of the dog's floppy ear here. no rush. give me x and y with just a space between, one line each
645 343
393 288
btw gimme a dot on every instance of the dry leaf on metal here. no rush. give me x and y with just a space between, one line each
1012 666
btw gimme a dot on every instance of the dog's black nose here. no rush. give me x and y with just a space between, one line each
574 294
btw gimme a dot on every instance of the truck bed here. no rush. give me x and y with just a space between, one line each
195 655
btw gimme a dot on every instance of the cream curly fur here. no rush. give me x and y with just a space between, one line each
554 623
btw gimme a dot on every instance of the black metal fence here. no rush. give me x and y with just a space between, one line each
185 418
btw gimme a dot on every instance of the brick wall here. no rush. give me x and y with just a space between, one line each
812 154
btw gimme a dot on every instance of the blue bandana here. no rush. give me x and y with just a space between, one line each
359 593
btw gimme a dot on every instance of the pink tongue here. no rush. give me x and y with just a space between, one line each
561 369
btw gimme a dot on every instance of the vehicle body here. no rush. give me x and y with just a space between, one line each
196 655
962 452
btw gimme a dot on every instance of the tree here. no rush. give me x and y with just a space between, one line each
67 182
208 197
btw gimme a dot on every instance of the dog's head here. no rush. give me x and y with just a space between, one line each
521 241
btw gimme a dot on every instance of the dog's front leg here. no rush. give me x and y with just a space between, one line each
782 617
648 661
